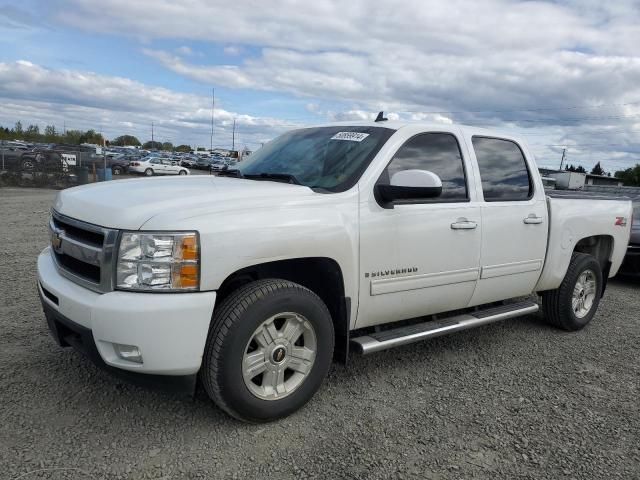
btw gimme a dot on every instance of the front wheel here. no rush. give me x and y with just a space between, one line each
269 348
574 303
182 172
117 170
148 172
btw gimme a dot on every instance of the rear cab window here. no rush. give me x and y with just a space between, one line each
503 169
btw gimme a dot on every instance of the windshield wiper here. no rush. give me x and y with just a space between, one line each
278 177
230 172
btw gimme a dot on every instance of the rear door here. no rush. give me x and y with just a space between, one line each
514 220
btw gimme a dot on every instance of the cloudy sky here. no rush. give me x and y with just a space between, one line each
563 73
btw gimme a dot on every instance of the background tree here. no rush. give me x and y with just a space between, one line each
50 134
152 145
167 146
125 140
17 130
630 177
32 133
597 170
93 137
580 169
183 148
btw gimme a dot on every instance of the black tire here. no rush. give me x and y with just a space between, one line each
233 325
116 170
182 172
557 304
149 172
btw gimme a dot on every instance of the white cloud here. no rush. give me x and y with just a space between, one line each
509 63
115 105
233 50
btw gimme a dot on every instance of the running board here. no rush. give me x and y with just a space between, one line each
421 331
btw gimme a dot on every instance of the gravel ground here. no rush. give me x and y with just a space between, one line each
510 400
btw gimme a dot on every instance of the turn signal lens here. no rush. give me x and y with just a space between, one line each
188 248
186 276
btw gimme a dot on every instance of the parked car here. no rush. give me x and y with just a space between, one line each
203 163
328 239
189 162
631 265
157 166
33 160
118 164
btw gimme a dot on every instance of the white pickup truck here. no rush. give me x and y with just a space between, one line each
353 234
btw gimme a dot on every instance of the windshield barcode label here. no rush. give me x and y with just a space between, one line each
351 136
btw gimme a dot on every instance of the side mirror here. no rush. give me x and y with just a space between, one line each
410 185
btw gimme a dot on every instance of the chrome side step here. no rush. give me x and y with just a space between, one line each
421 331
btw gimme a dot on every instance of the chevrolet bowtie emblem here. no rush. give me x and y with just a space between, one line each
56 240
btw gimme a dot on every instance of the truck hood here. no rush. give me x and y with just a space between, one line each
129 204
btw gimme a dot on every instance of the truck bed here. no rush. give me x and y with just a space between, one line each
581 195
574 216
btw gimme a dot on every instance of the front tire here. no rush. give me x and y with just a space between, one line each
574 303
148 172
182 172
269 348
116 170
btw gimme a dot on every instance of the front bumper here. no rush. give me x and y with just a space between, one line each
170 329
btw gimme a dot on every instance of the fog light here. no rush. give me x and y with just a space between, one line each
131 353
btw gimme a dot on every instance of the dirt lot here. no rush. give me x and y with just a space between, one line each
510 400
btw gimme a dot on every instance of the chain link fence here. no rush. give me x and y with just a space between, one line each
49 168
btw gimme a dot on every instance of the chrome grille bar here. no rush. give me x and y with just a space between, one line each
83 252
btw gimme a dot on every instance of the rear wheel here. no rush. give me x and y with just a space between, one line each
182 172
116 170
148 172
574 303
269 348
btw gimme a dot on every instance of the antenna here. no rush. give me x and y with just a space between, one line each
381 117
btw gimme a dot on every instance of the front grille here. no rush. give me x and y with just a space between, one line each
78 267
83 251
93 238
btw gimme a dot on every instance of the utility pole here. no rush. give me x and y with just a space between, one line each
233 138
213 106
152 144
564 151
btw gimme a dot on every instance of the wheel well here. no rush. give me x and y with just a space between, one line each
321 275
600 247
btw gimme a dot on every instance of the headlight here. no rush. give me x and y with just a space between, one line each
158 261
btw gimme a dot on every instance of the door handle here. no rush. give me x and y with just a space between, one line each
463 224
532 219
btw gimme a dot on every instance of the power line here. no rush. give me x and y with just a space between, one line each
537 109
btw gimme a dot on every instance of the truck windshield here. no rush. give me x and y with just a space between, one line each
329 159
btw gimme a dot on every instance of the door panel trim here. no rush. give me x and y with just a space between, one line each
416 282
492 271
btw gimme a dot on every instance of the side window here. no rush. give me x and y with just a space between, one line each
155 161
439 153
503 170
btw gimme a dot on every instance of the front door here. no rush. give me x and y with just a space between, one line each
420 257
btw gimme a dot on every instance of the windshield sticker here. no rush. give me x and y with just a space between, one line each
350 136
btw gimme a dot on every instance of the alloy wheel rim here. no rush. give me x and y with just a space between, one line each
584 294
279 356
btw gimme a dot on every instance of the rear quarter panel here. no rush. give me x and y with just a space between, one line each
571 220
